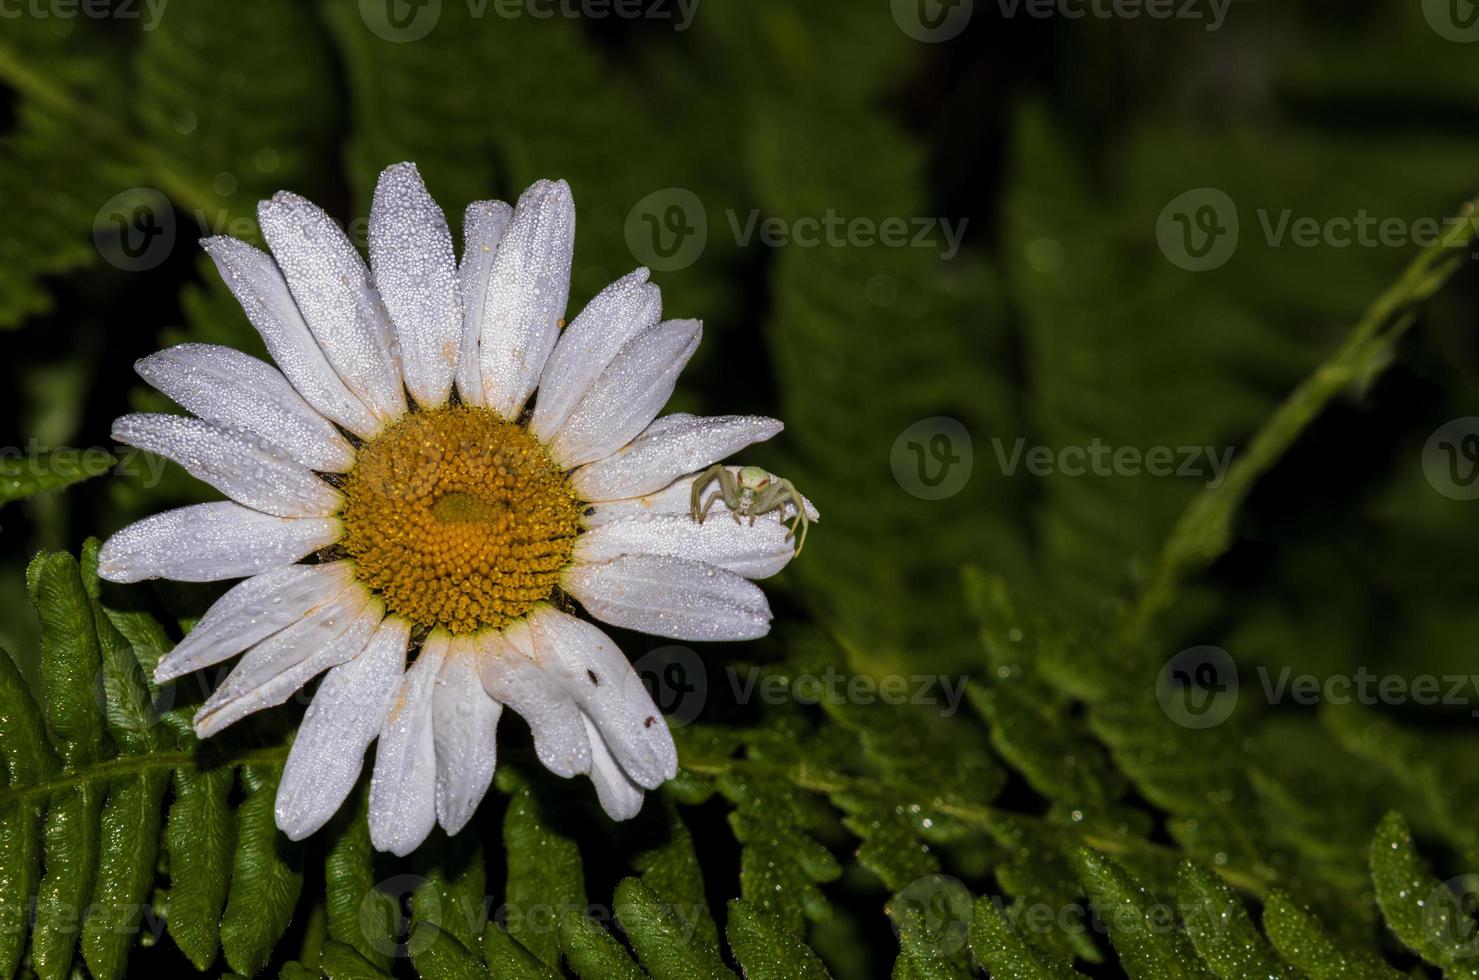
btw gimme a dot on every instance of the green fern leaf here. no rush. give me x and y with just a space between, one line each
28 760
1302 940
1420 909
359 916
932 918
781 865
201 835
453 889
130 836
671 869
49 472
71 677
891 847
507 957
667 949
766 949
1222 932
266 877
71 660
248 120
1141 926
544 872
71 848
1439 787
1032 726
1005 954
437 953
593 953
56 173
1037 872
341 962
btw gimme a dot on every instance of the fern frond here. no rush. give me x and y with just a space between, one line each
84 801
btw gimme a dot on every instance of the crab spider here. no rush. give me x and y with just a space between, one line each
750 493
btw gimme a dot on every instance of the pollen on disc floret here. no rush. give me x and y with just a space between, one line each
459 519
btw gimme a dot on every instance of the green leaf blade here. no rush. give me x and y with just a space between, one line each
666 947
1422 911
130 841
766 950
201 836
266 878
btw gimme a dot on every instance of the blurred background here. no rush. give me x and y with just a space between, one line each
956 247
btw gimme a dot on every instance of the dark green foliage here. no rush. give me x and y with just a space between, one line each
1220 929
1141 925
1430 916
1303 941
22 478
1038 815
1002 951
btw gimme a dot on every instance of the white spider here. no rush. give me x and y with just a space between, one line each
750 493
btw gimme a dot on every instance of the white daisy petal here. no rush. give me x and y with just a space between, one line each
616 315
628 394
345 716
754 551
483 225
676 500
416 275
619 796
528 287
270 672
263 293
464 728
587 664
403 787
252 611
210 543
233 389
332 288
671 597
234 461
513 678
669 447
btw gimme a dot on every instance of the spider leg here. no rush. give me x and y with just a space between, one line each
794 498
768 500
699 482
805 523
716 495
729 489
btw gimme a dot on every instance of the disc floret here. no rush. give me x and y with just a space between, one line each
458 519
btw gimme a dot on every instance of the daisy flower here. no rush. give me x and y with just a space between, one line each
433 478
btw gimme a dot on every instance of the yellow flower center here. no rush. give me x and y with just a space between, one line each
458 519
